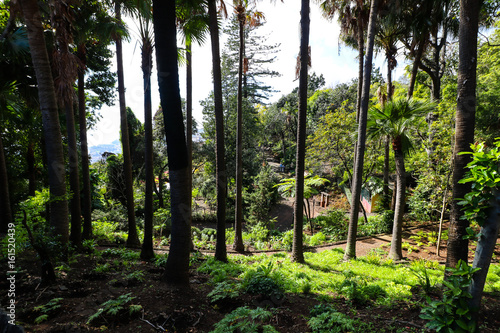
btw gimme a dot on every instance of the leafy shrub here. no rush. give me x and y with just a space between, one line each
262 196
452 313
324 319
246 320
262 281
358 291
317 239
224 290
333 224
47 310
377 224
115 309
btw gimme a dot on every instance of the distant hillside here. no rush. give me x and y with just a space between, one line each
96 151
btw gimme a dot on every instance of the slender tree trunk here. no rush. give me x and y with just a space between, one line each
298 223
133 238
74 177
458 248
220 248
414 70
361 53
238 236
147 252
385 190
350 251
50 119
395 251
30 160
5 209
84 151
177 267
189 113
484 251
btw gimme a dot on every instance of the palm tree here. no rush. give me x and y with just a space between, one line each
464 127
193 22
252 20
65 64
133 238
92 25
298 223
177 267
50 117
350 251
353 18
220 168
144 16
395 120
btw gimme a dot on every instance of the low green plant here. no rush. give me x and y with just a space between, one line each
115 308
103 268
246 320
135 276
452 313
122 253
224 290
317 239
358 291
47 310
324 319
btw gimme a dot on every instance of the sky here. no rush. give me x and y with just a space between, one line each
329 57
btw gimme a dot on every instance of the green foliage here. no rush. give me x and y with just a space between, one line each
333 223
325 319
122 253
452 313
261 196
47 310
358 291
317 239
377 224
246 320
224 290
113 309
287 186
484 174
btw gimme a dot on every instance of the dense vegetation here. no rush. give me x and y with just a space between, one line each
422 151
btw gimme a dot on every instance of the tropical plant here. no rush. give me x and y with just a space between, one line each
396 119
177 267
359 155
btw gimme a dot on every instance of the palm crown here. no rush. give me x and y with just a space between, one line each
396 118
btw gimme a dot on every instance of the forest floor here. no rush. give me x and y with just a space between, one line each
188 309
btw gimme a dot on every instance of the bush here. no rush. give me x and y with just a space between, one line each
246 320
377 224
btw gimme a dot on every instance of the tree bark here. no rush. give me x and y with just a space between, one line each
84 151
177 266
238 236
74 177
298 223
395 251
147 252
50 120
484 251
361 53
221 177
133 238
464 127
350 251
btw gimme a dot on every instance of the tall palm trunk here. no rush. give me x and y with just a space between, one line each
84 151
74 176
361 53
220 168
238 237
133 238
395 252
189 113
464 127
147 252
177 267
350 251
298 223
5 209
414 70
30 160
50 119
